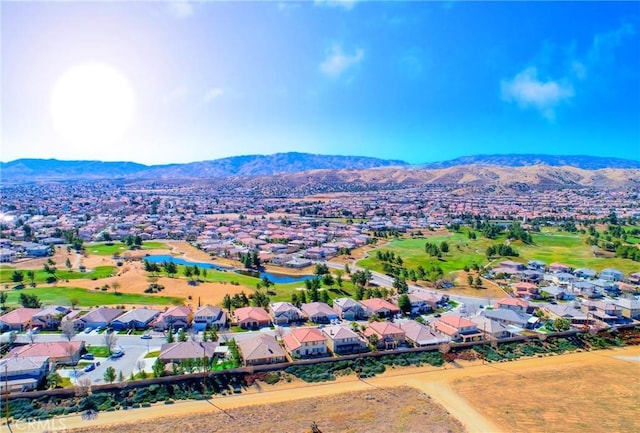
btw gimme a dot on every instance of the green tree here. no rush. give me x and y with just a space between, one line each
17 276
120 376
404 303
562 324
31 275
478 281
109 374
182 336
3 299
226 302
444 247
470 279
30 301
158 368
53 379
170 337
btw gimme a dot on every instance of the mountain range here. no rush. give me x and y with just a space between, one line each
479 168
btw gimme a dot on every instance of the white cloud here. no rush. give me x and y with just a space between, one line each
528 91
180 8
344 4
211 94
338 62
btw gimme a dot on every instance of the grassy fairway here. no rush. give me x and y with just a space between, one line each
121 248
62 274
89 298
549 246
570 248
462 251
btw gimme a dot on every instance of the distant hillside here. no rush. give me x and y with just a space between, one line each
252 165
540 177
524 160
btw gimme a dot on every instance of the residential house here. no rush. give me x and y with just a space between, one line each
563 278
558 293
559 267
49 318
525 290
607 312
18 319
99 318
188 350
59 352
208 317
318 312
586 289
508 267
535 265
19 373
531 276
569 311
629 308
138 318
251 317
634 278
433 300
585 273
492 329
611 274
514 304
261 349
457 328
179 317
420 335
387 334
511 317
305 343
7 255
283 313
342 340
380 307
348 309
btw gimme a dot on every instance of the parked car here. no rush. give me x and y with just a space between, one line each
88 356
146 337
90 367
117 354
88 329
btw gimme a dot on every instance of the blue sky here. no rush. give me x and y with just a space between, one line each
416 81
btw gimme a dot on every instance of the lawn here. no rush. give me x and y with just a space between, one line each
62 274
109 249
89 298
98 351
153 354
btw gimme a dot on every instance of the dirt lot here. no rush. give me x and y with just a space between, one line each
561 399
349 412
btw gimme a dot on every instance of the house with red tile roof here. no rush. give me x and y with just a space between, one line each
457 328
515 304
177 317
525 290
305 343
59 352
251 317
388 335
18 319
187 350
380 307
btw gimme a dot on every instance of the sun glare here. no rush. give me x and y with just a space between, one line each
92 106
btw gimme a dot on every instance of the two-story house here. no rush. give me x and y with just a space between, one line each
386 334
208 317
178 317
342 340
305 343
284 313
457 328
348 309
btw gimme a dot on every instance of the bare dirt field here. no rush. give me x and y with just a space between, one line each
391 410
489 290
602 395
583 391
